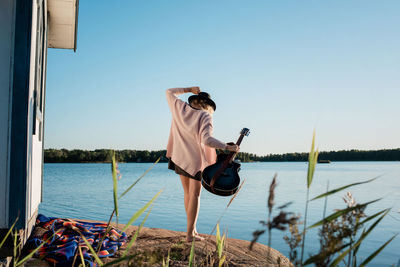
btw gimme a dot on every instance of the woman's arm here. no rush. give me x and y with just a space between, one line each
173 93
215 143
207 138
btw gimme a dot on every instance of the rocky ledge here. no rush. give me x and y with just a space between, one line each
153 244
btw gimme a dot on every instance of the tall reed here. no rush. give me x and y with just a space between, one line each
220 246
312 161
278 222
339 231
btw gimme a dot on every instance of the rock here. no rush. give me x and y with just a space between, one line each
153 244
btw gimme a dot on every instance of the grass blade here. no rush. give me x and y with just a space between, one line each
8 233
108 228
314 258
221 261
222 245
137 232
373 216
115 183
373 255
316 153
312 161
342 188
340 257
356 248
358 243
236 193
326 201
191 257
219 241
144 174
30 255
227 206
81 255
365 221
99 262
339 213
15 246
218 235
166 263
139 212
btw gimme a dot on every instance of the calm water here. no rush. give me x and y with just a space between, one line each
85 191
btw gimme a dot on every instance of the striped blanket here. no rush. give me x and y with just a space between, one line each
61 248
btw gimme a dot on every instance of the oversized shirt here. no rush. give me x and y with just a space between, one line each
190 144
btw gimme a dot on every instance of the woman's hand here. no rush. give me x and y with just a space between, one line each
233 148
195 90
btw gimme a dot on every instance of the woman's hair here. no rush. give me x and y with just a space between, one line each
200 103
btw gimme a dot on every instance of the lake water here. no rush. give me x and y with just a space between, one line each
84 191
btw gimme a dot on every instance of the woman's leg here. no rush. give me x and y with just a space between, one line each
191 190
193 209
185 185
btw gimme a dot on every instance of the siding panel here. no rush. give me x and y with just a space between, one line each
6 51
20 108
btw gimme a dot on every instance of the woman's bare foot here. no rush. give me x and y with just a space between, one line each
197 237
195 232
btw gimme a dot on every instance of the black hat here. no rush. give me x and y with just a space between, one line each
203 96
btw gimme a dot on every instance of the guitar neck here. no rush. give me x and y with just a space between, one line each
231 155
239 141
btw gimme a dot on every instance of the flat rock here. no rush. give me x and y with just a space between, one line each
153 245
153 241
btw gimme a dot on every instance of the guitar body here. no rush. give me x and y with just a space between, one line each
228 182
222 178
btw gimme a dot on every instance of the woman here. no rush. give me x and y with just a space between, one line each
191 147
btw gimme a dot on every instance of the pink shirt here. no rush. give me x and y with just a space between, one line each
190 144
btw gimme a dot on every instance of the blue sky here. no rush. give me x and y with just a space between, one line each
280 68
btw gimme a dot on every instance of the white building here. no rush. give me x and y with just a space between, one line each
27 29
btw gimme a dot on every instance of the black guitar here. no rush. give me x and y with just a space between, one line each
222 178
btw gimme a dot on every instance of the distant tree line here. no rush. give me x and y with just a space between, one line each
342 155
103 155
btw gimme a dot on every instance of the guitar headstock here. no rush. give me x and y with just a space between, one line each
245 132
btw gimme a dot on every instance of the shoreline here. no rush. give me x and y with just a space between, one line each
129 155
332 161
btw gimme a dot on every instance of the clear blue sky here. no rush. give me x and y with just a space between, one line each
280 68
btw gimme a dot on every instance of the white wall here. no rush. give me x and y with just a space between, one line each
34 145
34 186
6 56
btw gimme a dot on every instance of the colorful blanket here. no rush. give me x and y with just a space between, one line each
62 247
